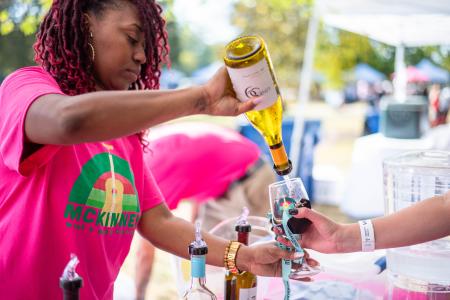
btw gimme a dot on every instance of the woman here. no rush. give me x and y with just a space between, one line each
72 173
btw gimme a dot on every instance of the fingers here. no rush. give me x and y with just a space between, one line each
256 100
312 262
277 230
305 279
307 213
283 241
247 105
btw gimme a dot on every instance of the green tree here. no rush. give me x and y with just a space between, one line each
19 20
338 51
16 50
283 25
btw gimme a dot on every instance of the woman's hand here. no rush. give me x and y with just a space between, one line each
221 99
265 259
323 235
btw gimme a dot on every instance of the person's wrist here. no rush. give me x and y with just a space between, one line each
243 258
348 238
201 105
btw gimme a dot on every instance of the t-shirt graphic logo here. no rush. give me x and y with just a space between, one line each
104 194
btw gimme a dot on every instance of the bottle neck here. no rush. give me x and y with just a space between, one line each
71 294
198 263
243 238
281 161
197 282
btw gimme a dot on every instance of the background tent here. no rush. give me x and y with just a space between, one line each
401 23
367 73
433 72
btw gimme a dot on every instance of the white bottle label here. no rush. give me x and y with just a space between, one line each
254 81
247 294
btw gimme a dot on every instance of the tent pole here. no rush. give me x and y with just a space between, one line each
303 91
400 79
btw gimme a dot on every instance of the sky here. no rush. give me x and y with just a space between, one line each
208 18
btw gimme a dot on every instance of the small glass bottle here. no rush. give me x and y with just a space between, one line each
70 281
198 250
241 286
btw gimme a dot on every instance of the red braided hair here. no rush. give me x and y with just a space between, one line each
61 47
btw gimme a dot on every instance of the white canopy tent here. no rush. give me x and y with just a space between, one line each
400 23
411 23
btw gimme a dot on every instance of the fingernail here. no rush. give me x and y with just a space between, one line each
257 101
293 211
298 255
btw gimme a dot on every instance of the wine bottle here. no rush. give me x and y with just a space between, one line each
198 250
241 286
70 281
251 72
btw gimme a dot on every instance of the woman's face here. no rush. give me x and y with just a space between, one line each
118 41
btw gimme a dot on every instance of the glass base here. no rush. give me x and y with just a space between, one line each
304 271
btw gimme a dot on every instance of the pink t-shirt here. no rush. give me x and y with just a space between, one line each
197 160
84 199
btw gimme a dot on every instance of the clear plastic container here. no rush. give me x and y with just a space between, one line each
409 178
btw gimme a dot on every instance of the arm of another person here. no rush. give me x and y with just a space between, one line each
104 115
173 234
422 222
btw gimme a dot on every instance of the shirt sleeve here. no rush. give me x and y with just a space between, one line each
17 93
152 193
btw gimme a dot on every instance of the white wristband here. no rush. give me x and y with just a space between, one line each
367 235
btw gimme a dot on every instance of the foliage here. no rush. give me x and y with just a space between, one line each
19 20
24 14
338 51
283 25
15 51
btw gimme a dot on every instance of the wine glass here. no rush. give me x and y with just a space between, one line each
285 195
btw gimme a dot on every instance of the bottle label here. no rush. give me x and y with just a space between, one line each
198 266
247 294
254 81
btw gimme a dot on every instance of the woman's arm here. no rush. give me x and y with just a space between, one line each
422 222
104 115
173 234
425 221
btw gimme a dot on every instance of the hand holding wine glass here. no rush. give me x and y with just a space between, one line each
285 196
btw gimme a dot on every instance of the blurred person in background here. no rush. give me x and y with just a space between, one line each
209 165
73 176
437 106
444 104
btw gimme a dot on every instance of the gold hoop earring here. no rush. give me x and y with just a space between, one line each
91 46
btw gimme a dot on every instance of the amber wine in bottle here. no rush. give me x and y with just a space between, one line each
241 286
251 73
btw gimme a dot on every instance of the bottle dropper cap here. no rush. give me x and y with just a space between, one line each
70 280
242 224
198 247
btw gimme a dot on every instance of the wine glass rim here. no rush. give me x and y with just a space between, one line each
284 181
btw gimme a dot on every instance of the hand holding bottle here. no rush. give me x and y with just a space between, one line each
250 68
221 99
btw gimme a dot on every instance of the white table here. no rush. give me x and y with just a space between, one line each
363 193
